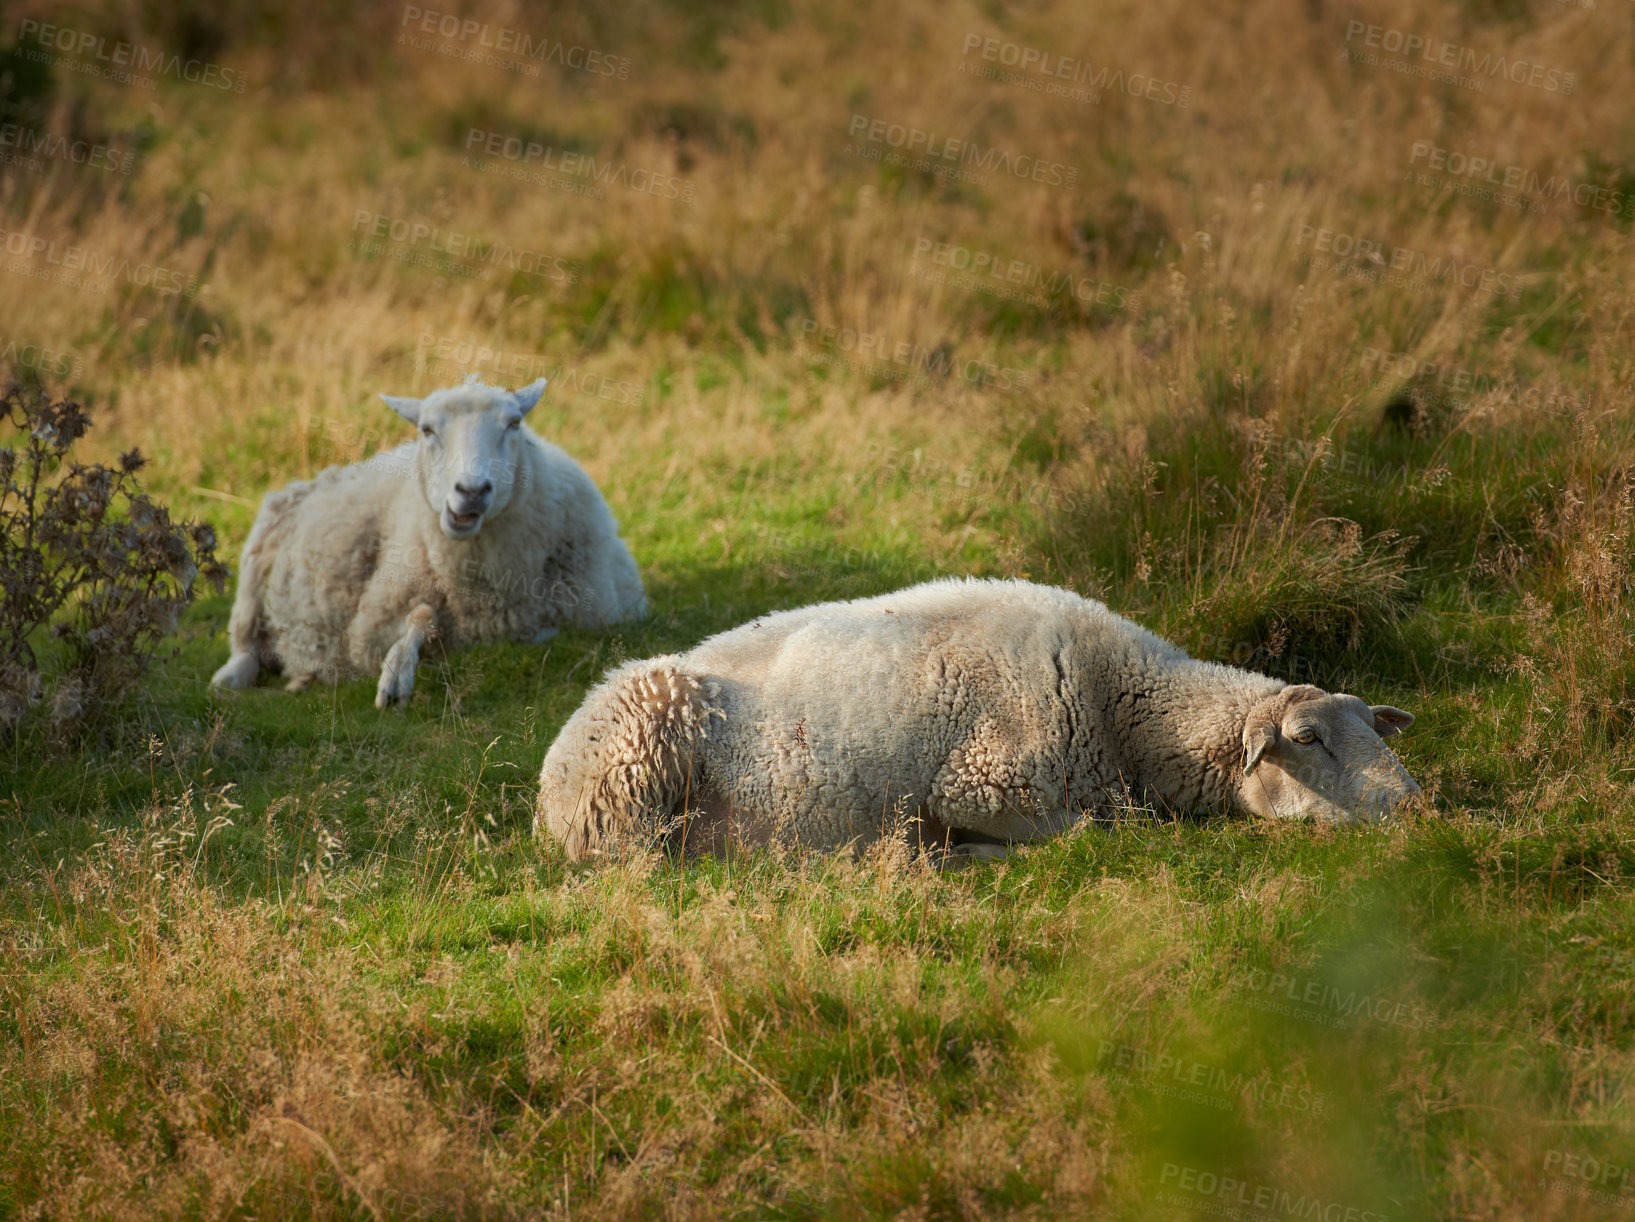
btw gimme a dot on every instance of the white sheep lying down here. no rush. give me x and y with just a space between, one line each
479 531
995 711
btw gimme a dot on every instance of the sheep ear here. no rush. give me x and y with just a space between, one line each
1258 738
1389 721
528 395
409 409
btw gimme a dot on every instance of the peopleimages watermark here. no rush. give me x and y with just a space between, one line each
43 360
458 254
1472 175
1137 1068
1447 62
1361 465
29 148
1464 384
954 156
284 1201
466 354
85 267
1326 1004
873 353
402 461
485 39
982 271
1261 655
1398 265
1595 1179
480 576
542 165
126 63
964 483
1228 1196
777 548
1063 76
967 483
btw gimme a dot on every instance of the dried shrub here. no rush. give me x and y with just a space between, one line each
88 561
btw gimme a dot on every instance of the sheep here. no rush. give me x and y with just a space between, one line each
990 712
477 531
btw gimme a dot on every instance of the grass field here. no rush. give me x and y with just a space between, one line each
1300 333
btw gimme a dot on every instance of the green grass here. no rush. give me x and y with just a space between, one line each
1161 998
1371 1016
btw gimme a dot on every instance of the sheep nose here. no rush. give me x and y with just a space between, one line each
478 493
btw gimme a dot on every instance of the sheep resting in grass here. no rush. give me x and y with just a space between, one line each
994 711
478 531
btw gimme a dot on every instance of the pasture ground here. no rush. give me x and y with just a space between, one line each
1272 371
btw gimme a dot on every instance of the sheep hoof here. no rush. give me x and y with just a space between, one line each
389 693
300 683
238 671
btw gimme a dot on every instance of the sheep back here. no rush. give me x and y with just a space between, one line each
988 706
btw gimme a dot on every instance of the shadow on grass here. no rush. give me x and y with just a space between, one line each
467 746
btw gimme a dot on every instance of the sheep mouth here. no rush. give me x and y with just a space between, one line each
461 524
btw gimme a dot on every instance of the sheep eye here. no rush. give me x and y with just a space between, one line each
1305 736
426 430
513 425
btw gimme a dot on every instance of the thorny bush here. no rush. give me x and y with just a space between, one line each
87 562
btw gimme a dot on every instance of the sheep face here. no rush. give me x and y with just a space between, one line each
469 441
1308 752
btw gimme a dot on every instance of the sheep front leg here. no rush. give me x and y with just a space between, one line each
397 672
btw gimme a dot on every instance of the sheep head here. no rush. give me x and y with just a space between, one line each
1311 752
469 442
